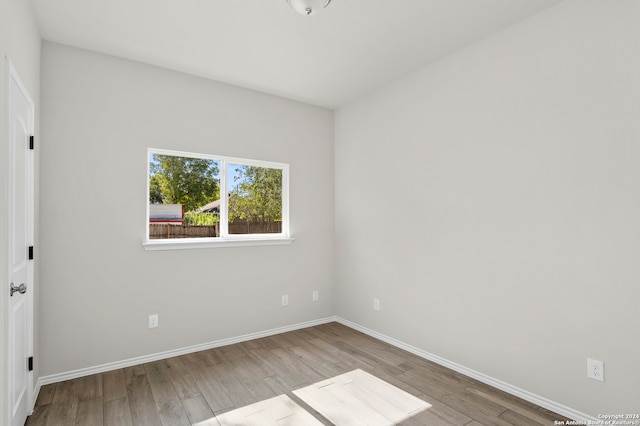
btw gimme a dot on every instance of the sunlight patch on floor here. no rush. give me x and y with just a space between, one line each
358 398
355 398
277 411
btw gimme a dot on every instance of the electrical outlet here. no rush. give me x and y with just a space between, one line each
376 304
315 296
595 369
285 300
153 321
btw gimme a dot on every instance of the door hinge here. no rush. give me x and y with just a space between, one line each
30 252
31 142
30 363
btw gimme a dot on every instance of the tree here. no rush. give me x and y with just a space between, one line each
192 182
155 193
257 196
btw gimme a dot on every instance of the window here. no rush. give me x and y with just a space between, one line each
201 200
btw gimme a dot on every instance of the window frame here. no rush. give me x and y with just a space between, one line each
225 239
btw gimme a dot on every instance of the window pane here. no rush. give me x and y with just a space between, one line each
184 197
255 199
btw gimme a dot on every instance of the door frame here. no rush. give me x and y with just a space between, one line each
12 76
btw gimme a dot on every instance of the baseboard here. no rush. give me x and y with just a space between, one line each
506 387
563 410
55 378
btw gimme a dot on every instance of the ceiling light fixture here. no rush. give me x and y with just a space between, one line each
308 7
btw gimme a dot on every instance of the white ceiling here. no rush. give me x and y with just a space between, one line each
350 48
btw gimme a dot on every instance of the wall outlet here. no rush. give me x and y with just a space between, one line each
595 369
376 304
153 320
315 296
285 300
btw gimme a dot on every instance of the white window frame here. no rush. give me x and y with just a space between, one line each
225 239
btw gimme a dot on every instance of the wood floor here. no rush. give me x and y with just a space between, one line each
194 388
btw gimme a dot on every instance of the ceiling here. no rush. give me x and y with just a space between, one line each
347 50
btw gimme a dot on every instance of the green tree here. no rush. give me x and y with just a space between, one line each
192 182
257 196
155 193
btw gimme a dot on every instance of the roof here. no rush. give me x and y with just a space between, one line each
212 207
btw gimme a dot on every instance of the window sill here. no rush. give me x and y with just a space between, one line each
200 243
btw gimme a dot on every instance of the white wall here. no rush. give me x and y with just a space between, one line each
491 202
20 42
99 116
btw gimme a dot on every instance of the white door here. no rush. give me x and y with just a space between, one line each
20 236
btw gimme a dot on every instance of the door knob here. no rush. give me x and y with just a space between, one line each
22 289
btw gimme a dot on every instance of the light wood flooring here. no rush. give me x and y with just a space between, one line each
194 388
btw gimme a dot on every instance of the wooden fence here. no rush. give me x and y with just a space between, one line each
244 227
168 231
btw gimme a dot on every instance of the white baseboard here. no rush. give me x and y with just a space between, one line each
506 387
55 378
